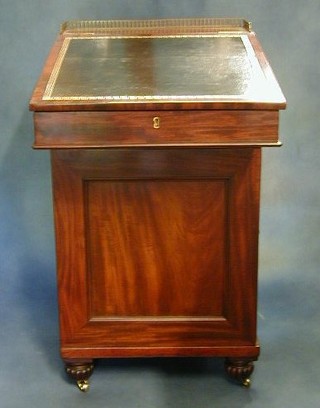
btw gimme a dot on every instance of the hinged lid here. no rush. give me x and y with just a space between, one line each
157 64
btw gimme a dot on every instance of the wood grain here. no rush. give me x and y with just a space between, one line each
160 245
116 129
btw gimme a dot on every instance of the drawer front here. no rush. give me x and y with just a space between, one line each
151 128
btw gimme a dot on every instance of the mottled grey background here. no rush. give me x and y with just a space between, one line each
288 372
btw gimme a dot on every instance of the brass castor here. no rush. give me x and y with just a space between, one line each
246 383
83 385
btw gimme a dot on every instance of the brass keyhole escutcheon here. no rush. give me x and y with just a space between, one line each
156 122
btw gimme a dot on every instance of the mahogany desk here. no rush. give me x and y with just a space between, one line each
155 130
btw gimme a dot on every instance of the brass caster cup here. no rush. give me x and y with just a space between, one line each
246 383
83 385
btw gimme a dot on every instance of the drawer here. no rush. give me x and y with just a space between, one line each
155 128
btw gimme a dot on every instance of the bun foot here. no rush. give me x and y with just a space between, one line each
240 370
80 371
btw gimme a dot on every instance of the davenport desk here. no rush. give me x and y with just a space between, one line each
155 129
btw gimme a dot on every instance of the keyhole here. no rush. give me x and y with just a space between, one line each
156 122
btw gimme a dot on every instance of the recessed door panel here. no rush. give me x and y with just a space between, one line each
156 248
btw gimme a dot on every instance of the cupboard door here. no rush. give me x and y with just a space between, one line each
156 249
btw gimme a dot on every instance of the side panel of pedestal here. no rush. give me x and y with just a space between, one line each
157 251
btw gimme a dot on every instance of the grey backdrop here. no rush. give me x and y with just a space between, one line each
288 372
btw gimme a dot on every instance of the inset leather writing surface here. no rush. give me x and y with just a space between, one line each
153 68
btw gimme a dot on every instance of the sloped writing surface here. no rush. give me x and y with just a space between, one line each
185 67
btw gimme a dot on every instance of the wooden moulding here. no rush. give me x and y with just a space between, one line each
114 352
